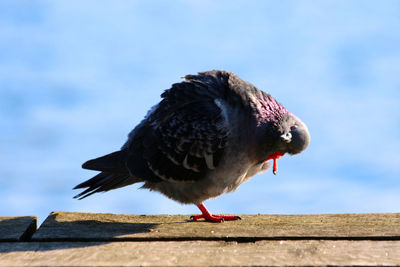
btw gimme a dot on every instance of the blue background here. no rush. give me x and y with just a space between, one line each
77 76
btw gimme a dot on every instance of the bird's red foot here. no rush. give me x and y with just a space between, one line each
215 217
206 215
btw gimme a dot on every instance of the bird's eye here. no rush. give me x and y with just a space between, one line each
294 127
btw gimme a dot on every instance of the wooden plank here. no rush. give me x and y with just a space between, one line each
105 227
210 253
17 228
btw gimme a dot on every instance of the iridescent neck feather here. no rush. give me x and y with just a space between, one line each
267 109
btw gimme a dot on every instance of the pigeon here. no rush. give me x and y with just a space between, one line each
209 134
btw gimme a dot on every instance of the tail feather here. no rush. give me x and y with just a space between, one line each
114 174
113 162
104 182
95 181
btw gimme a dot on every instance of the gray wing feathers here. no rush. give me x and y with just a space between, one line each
188 130
191 138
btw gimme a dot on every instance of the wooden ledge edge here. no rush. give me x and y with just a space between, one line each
17 228
226 239
30 231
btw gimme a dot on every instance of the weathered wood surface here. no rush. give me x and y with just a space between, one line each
201 253
17 228
74 239
108 227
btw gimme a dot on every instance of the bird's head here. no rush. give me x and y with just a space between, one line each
293 134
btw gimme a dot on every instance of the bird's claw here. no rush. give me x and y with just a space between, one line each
215 217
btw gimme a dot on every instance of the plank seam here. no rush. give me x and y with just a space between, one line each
227 239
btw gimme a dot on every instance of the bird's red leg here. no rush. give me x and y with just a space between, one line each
206 215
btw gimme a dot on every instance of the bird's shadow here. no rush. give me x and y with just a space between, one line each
57 235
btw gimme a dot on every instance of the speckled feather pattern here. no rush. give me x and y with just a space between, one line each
209 134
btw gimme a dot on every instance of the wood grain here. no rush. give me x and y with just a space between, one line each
17 228
107 227
75 239
201 253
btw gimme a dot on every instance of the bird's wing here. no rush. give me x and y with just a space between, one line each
184 138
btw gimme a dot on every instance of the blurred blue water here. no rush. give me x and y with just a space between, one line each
75 78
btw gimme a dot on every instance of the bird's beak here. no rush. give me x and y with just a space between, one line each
287 137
